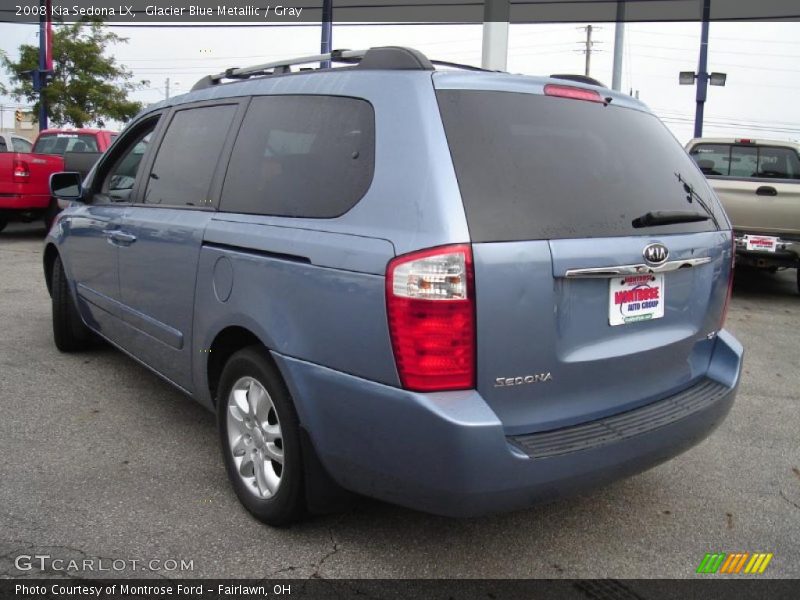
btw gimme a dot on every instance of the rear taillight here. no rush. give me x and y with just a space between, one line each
21 173
430 299
576 93
730 282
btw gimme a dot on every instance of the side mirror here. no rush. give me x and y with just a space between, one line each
66 188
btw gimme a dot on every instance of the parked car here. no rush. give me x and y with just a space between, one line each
25 171
455 290
10 142
758 183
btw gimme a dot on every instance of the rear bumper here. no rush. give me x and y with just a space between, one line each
23 202
786 255
448 453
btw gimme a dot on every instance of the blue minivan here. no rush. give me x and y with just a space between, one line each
456 290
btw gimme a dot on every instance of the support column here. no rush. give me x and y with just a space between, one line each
619 46
327 31
496 14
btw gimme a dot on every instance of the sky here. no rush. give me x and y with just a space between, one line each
762 62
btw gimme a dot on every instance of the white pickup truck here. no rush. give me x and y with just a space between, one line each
10 142
758 182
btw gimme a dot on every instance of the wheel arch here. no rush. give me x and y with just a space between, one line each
323 493
226 343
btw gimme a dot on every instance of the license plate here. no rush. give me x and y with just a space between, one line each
635 298
764 243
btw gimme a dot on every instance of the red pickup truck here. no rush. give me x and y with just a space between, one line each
25 176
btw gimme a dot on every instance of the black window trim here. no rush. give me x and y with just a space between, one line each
215 187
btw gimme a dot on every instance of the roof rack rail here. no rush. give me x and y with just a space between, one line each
579 79
386 57
455 65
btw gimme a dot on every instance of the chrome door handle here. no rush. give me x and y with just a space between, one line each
641 269
120 237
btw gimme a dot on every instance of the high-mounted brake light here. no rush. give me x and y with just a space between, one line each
430 301
730 283
21 173
576 93
745 141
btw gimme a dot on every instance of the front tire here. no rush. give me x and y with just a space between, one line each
3 223
260 437
69 332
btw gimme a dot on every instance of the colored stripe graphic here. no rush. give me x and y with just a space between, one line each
758 563
711 562
734 562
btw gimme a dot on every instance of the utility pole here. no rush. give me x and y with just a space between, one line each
619 46
702 71
166 88
588 47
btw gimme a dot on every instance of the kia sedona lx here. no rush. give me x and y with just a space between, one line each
455 290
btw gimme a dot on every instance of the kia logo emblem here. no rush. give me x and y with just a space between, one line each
655 254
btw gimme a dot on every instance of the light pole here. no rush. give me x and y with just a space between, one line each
702 77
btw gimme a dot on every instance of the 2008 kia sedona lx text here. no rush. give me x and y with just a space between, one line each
456 290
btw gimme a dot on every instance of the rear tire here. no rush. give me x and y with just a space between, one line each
3 224
260 438
798 279
69 332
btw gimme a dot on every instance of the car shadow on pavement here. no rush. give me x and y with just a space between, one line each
22 232
750 282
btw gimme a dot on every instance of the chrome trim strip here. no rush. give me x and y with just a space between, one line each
641 269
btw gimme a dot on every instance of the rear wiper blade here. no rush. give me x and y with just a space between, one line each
668 217
692 195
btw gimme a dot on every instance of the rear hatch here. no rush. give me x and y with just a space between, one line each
572 322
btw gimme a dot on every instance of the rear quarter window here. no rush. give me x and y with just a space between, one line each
301 156
537 167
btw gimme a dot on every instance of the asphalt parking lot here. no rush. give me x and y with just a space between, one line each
101 459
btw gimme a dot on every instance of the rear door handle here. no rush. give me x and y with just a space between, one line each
120 237
766 190
640 269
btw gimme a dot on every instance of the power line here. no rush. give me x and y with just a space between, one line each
715 38
721 64
718 51
728 118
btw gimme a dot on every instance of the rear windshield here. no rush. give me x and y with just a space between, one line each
539 167
746 160
58 143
